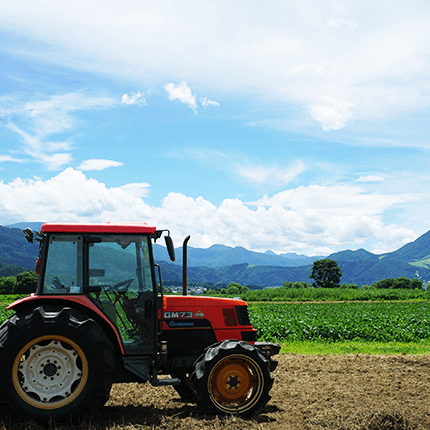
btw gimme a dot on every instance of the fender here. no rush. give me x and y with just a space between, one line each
81 303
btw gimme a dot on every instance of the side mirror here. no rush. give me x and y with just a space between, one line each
170 247
29 235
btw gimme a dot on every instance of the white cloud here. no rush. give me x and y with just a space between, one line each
239 165
98 164
298 224
139 189
370 178
40 151
373 57
338 22
35 121
270 174
135 98
334 114
8 158
334 200
54 114
205 102
182 93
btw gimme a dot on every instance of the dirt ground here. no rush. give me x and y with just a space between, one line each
353 392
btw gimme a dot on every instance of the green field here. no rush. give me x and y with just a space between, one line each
334 322
333 294
336 328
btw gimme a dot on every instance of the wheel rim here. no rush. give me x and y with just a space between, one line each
50 372
235 384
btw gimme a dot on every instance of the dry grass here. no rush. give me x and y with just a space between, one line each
352 392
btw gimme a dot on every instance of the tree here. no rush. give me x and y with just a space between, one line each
326 273
383 283
7 285
401 283
298 284
26 283
234 289
349 286
416 284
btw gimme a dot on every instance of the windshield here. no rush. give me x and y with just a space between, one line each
120 260
113 261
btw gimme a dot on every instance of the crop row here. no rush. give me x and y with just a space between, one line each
383 322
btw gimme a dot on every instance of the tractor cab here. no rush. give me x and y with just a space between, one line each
113 266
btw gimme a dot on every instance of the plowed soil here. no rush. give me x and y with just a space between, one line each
353 392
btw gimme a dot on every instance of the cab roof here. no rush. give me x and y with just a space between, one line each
108 227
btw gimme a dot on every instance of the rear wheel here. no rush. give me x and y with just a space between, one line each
232 378
55 363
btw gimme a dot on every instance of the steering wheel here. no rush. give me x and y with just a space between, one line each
122 287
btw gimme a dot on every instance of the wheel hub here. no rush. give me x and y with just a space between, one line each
50 371
233 382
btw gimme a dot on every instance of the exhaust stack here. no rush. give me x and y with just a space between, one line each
184 266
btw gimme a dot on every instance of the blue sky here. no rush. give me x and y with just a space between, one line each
290 126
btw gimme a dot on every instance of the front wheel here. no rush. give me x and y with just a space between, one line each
232 378
55 363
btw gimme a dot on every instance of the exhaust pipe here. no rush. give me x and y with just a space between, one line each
184 266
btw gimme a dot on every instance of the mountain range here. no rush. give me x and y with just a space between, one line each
223 264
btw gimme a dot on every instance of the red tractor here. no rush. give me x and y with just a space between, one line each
99 316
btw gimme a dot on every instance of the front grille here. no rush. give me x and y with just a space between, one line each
242 315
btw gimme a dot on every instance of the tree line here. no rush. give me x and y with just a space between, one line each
325 273
23 283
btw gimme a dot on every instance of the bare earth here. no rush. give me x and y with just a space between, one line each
353 392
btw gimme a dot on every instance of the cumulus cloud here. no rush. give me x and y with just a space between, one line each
294 224
98 164
138 189
333 200
334 114
183 93
135 98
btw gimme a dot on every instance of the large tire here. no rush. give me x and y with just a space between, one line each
232 378
55 363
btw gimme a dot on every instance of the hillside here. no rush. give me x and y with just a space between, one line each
360 273
223 264
414 251
14 248
353 256
218 256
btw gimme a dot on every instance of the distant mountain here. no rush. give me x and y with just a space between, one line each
353 256
417 250
218 256
35 226
14 248
263 276
360 273
224 264
7 270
